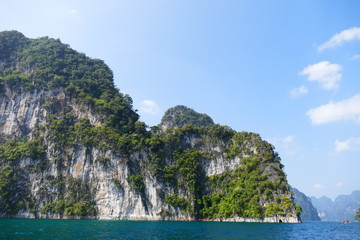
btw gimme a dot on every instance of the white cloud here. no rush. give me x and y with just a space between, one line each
348 144
348 109
338 39
72 12
319 186
341 146
57 11
285 145
355 57
326 73
297 92
288 139
149 106
282 141
339 184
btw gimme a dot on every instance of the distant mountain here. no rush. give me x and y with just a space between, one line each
343 208
309 212
324 206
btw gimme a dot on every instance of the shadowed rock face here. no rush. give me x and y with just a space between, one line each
72 147
309 212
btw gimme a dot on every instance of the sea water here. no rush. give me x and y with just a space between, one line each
159 230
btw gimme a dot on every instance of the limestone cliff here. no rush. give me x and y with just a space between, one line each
72 147
309 212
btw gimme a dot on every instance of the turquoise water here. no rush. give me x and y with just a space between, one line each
158 230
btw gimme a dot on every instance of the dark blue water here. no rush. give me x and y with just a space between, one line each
158 230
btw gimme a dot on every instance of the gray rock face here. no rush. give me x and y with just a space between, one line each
21 113
108 184
71 146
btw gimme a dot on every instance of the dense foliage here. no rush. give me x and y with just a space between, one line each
245 192
179 116
69 131
45 63
74 198
13 196
240 193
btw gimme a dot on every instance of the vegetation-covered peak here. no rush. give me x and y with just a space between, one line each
45 63
180 115
10 41
206 170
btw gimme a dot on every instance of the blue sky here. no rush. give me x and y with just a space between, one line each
288 70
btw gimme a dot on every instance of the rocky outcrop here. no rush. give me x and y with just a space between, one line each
104 175
180 115
71 147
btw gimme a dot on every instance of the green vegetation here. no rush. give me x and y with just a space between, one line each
7 181
69 208
179 116
176 201
74 199
137 182
357 216
46 63
12 151
13 193
176 155
240 193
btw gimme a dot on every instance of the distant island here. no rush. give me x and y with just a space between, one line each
72 146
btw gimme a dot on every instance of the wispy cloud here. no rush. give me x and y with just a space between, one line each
297 92
61 11
339 184
349 144
355 57
288 139
326 73
286 145
283 141
338 39
319 186
348 109
72 11
149 107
